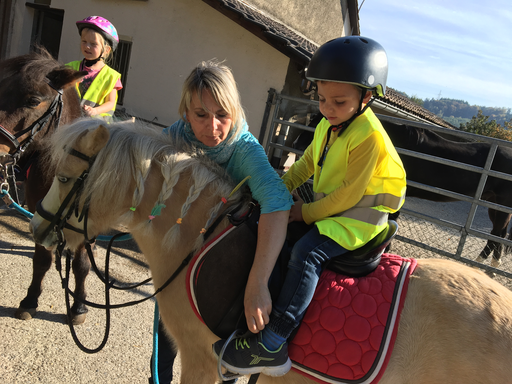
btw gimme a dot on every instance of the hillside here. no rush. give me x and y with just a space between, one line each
458 111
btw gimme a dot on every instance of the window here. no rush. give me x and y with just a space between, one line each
121 63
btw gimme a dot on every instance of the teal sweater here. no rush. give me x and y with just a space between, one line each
244 157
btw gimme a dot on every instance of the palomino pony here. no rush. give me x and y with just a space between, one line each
34 90
456 322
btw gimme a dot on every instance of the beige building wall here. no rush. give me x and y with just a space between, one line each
319 20
169 38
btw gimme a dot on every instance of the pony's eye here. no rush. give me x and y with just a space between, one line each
33 102
62 179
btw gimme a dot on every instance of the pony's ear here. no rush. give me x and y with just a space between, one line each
91 142
65 77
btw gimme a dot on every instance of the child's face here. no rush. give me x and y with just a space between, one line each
338 101
91 44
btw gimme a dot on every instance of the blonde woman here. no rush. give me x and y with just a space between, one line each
213 121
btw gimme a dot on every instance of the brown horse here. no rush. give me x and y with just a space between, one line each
34 90
456 322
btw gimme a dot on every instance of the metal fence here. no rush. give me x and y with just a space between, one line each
457 230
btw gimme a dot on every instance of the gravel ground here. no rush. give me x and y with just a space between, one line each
42 350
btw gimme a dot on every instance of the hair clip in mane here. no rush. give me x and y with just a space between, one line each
156 211
179 220
132 209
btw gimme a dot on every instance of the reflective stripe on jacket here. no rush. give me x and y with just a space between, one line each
102 85
384 192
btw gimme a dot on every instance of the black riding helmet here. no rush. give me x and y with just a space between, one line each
352 59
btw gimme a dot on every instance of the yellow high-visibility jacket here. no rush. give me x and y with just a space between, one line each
362 180
100 88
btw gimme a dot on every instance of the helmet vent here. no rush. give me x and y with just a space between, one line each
364 41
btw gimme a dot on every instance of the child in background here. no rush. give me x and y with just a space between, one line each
358 179
98 89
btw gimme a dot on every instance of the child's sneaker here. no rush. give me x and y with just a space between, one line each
248 355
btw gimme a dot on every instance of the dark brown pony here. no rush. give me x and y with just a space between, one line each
36 93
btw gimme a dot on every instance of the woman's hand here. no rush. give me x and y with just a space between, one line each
296 210
257 301
258 305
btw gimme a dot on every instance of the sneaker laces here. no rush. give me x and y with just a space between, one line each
229 375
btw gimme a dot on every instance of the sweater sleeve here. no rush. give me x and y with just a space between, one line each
249 159
300 171
361 166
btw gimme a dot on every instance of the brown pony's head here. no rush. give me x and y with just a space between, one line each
29 84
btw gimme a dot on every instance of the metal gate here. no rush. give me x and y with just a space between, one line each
420 228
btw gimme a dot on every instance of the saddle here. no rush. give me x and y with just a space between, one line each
218 273
216 281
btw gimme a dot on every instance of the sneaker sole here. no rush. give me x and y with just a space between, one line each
279 370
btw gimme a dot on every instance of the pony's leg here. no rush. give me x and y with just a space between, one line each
198 364
500 222
81 267
41 263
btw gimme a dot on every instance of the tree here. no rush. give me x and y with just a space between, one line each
416 100
480 125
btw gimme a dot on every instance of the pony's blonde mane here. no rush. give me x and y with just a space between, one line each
132 150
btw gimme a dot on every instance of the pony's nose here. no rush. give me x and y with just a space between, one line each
42 236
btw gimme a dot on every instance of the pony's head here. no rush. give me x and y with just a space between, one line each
32 88
133 174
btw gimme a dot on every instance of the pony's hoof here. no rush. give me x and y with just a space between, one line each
25 313
78 319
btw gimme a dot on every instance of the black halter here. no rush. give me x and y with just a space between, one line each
53 113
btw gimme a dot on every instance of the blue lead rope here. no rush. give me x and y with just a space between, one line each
9 202
154 360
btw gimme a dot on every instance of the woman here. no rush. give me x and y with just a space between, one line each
213 122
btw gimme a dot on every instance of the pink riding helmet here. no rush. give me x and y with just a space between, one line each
101 25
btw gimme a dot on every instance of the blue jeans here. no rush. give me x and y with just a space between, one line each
308 258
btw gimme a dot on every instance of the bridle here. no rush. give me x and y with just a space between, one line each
58 221
53 113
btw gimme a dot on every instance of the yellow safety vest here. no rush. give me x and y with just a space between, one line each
384 194
100 87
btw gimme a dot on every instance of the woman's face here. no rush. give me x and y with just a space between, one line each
211 126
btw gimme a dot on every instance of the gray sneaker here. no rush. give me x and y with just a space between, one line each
247 355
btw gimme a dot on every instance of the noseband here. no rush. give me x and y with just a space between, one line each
58 221
54 112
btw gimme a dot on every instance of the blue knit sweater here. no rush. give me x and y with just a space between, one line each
242 157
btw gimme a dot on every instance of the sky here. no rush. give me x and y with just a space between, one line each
455 49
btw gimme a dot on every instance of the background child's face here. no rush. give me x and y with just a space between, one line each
338 101
91 44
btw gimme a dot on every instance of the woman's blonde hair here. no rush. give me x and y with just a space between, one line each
217 78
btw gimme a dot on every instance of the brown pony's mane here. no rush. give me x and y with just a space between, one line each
33 66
